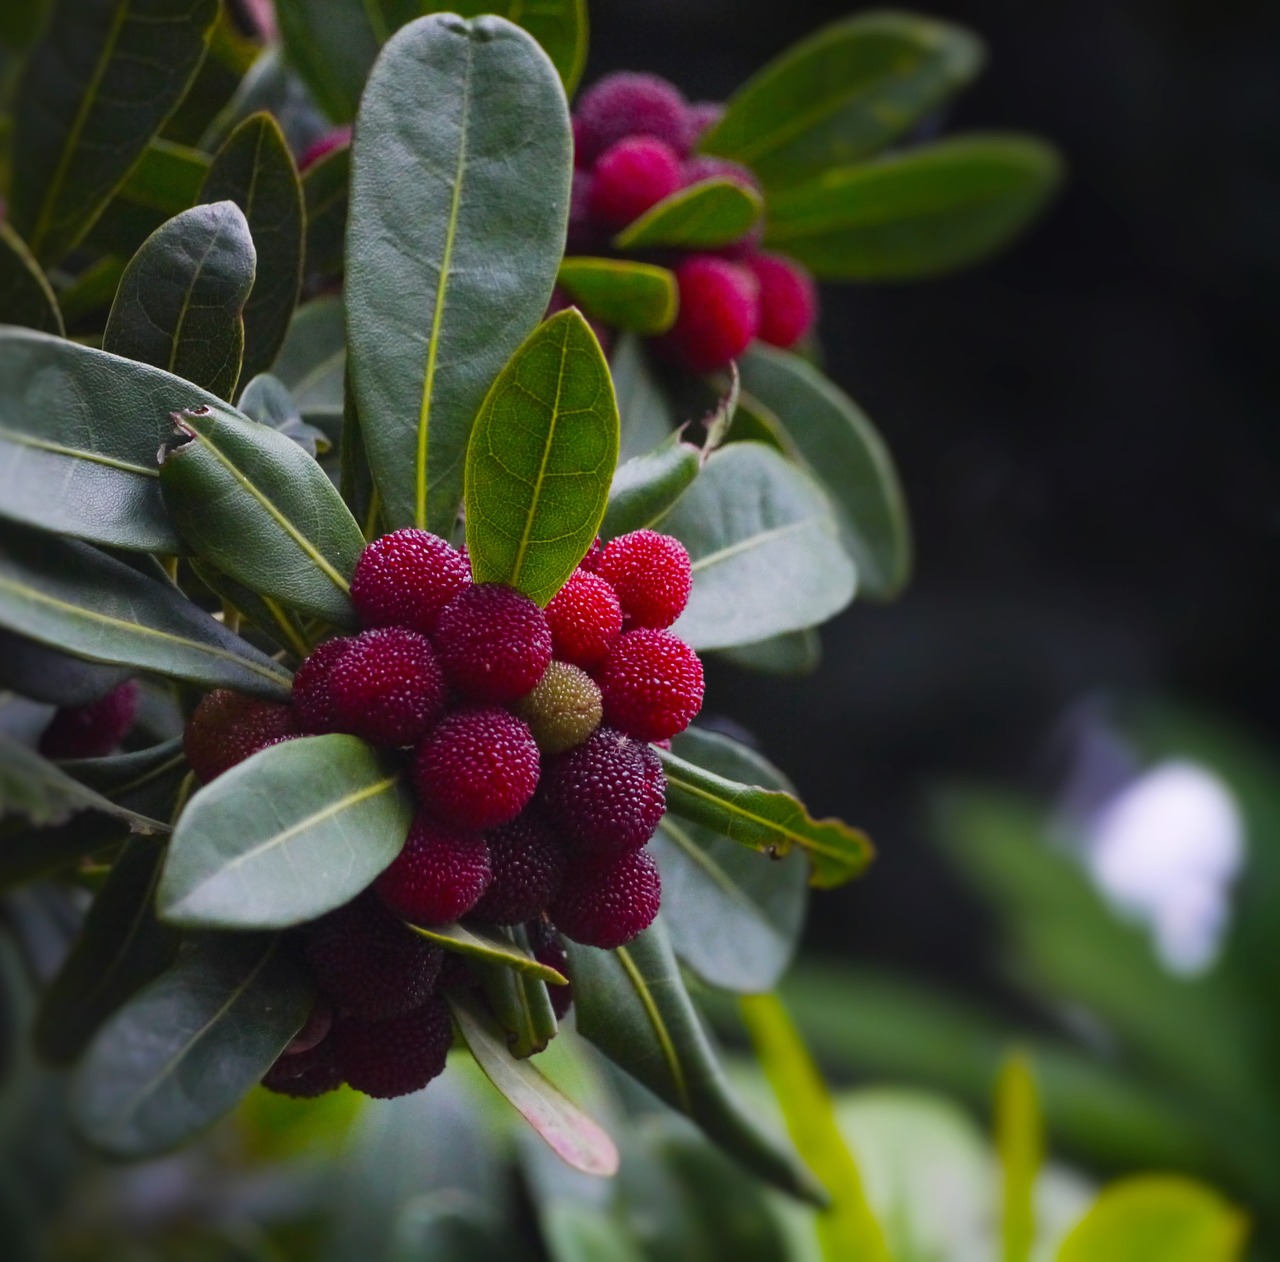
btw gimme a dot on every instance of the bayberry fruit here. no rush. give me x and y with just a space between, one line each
439 874
719 312
563 710
388 686
92 730
651 575
788 299
627 104
493 642
312 698
227 727
527 864
607 906
592 559
406 578
585 618
632 176
398 1056
305 1075
548 949
651 683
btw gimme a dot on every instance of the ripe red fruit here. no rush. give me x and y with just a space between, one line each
700 118
527 864
627 104
477 768
398 1056
406 578
305 1075
493 642
387 686
92 730
312 699
607 906
592 559
607 795
651 575
585 618
227 727
632 176
788 299
651 684
719 312
439 874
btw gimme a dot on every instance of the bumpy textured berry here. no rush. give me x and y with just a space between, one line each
606 907
478 768
585 618
591 561
606 797
548 949
388 686
700 118
398 1056
788 299
651 575
563 710
719 312
93 730
312 698
455 973
227 727
406 578
627 104
632 176
366 962
651 683
305 1075
527 864
439 874
702 167
493 642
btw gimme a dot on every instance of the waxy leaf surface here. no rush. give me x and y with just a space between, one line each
624 294
707 214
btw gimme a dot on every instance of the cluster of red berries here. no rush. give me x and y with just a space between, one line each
634 136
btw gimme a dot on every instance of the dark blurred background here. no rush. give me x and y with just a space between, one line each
1087 429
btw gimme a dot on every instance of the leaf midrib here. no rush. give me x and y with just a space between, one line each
696 854
661 1033
486 949
753 541
59 449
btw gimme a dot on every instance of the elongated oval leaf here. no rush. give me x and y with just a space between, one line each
541 458
459 207
252 502
520 1003
312 362
645 487
490 948
920 213
640 297
26 297
1020 1144
285 836
765 548
167 178
44 674
712 212
325 189
282 625
181 300
267 400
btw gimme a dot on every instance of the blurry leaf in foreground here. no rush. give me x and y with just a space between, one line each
1020 1144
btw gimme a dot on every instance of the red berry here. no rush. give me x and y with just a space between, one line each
627 104
398 1056
585 618
788 299
92 730
591 561
455 973
651 684
651 575
607 795
632 176
228 727
493 642
405 579
701 167
606 907
439 874
387 686
719 312
527 866
478 768
700 118
305 1075
312 699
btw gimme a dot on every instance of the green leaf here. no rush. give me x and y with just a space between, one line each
520 1003
540 460
180 302
282 625
253 503
647 415
73 597
830 435
646 487
167 178
710 213
792 654
765 548
764 819
285 836
26 297
632 1004
1020 1144
847 91
266 399
92 292
43 674
97 88
186 1049
919 213
312 362
325 186
490 948
255 169
734 916
459 206
622 293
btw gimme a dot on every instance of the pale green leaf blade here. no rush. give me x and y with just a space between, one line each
710 213
790 655
332 44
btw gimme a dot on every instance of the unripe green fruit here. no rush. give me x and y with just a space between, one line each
563 710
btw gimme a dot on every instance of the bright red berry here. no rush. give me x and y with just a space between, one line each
527 864
719 312
788 299
92 730
406 578
627 104
651 684
651 575
699 118
227 727
398 1056
477 768
585 618
312 699
305 1075
632 176
439 874
607 906
493 642
592 559
387 686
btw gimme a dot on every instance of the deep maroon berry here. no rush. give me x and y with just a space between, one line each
607 906
788 299
493 642
548 949
439 874
405 579
305 1075
455 973
312 698
478 768
228 727
632 176
651 575
701 167
719 312
627 104
388 686
527 864
397 1056
700 118
563 710
651 684
92 730
585 618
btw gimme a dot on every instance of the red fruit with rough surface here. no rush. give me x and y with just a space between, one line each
312 698
478 768
627 104
439 874
719 312
398 1056
651 684
228 727
305 1075
651 575
788 299
585 618
527 864
632 176
591 561
92 730
406 578
388 687
607 906
493 642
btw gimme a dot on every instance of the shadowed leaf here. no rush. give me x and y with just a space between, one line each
26 297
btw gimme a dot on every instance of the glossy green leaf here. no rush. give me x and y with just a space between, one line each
325 188
284 626
734 916
541 457
26 297
186 1049
252 502
710 213
167 178
97 88
647 415
765 548
831 436
180 302
255 169
646 487
312 362
847 91
764 819
267 400
44 674
490 948
73 597
1019 1134
459 206
919 213
622 293
792 654
519 1002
